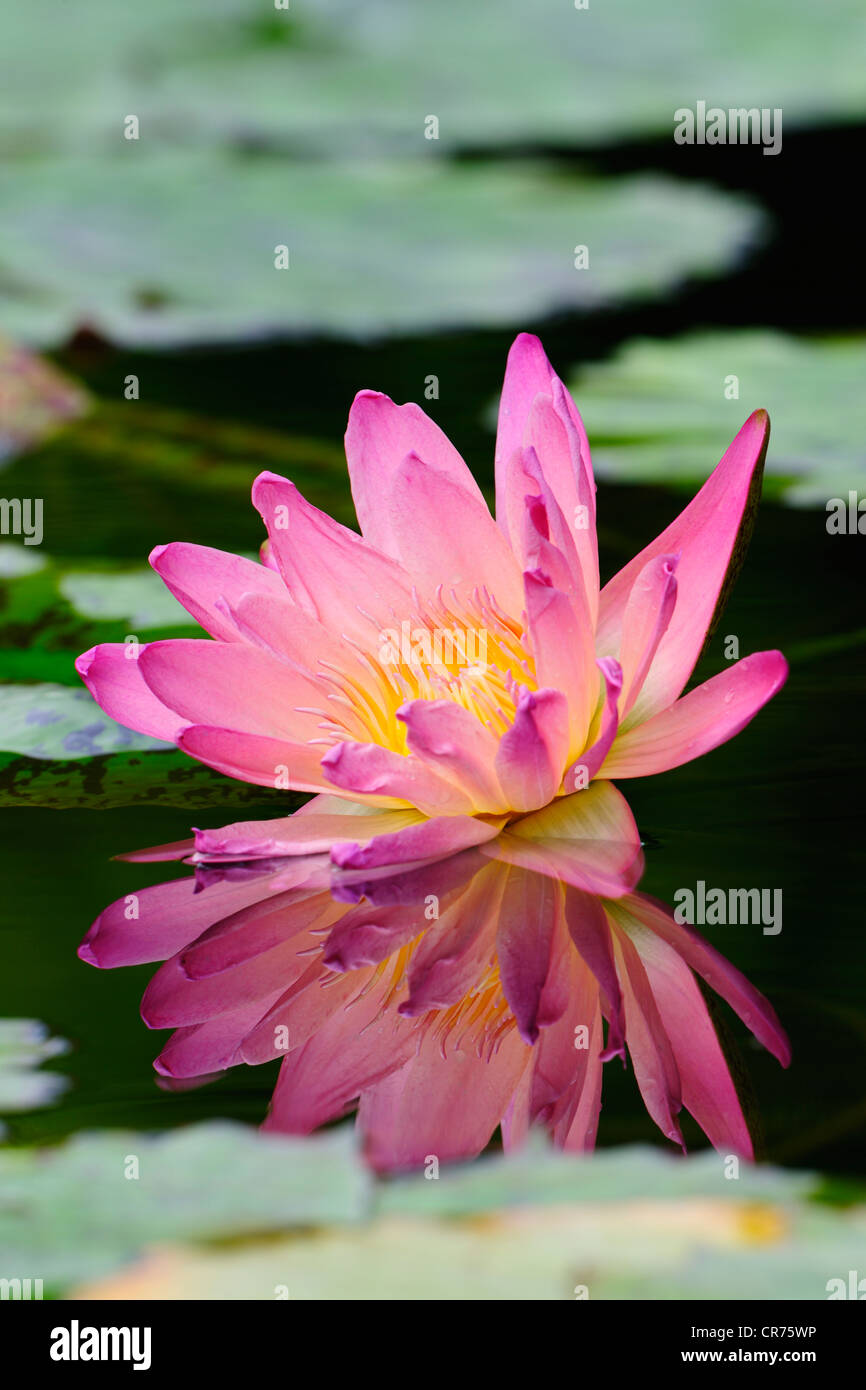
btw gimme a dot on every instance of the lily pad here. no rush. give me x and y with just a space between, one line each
217 1211
131 779
24 1045
139 597
48 721
58 749
89 1205
339 76
665 410
120 243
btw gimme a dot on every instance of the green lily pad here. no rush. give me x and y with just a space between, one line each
131 779
219 1211
139 597
58 749
89 1205
119 243
541 1174
48 721
24 1045
659 410
338 76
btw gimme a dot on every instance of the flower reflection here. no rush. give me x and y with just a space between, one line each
445 996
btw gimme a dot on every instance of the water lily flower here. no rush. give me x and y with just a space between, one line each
446 671
446 998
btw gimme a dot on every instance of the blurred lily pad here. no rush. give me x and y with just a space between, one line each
665 410
339 76
130 779
138 597
58 749
89 1205
216 1212
372 247
24 1045
35 399
48 721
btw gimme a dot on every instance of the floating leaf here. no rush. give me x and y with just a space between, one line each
343 77
139 597
130 779
617 1224
24 1045
658 412
373 247
54 721
539 1173
84 1208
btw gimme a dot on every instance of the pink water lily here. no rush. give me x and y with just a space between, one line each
446 998
444 673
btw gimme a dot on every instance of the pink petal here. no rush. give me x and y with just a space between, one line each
200 578
533 752
648 1043
524 944
433 838
561 450
700 721
267 762
256 930
208 1047
646 619
154 923
590 932
289 633
113 676
448 736
368 769
157 854
302 1011
331 572
564 654
354 1049
566 1083
311 833
380 434
444 1106
707 1088
704 536
589 840
529 374
588 764
746 1001
447 537
233 686
174 1000
367 935
456 950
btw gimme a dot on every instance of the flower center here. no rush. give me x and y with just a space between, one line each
452 648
